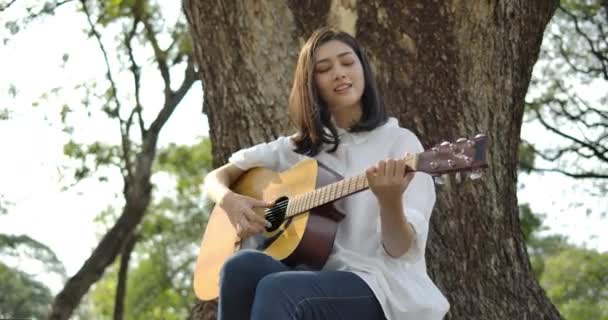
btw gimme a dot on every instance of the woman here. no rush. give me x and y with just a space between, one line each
377 268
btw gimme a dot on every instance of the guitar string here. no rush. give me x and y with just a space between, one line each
280 206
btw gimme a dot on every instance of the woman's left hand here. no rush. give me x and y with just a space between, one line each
388 179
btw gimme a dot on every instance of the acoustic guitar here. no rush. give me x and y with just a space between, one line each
304 221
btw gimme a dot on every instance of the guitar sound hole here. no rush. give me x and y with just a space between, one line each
276 214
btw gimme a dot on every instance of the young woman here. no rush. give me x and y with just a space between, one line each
377 268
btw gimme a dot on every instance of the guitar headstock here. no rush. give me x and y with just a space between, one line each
460 156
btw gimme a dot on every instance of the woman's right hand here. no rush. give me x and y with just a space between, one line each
239 209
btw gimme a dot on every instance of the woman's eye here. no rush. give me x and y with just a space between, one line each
322 70
348 63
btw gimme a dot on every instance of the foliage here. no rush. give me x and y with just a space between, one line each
22 297
159 282
23 246
574 278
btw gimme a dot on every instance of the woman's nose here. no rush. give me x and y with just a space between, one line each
339 75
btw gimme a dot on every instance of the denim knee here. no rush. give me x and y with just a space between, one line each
273 298
272 284
242 264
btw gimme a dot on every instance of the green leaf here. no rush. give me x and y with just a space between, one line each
22 297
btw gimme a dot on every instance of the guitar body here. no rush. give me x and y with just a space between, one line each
305 194
304 240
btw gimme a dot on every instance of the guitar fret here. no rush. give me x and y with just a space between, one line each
296 205
308 205
340 187
349 184
322 196
290 206
304 201
299 202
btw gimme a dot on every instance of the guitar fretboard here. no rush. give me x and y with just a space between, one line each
332 192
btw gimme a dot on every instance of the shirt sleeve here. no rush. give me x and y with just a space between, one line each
267 155
418 199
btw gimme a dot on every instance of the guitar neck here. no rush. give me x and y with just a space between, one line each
335 191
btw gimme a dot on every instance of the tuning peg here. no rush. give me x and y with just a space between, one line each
458 177
440 180
476 174
446 144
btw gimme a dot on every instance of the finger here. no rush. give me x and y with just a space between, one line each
371 170
381 167
406 158
400 168
252 228
262 204
242 228
390 168
255 221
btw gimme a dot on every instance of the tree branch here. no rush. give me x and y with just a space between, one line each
126 145
123 272
160 55
174 98
135 71
594 51
7 5
591 147
584 175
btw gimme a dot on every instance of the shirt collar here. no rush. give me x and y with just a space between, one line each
360 137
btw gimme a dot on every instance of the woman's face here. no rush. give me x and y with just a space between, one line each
338 76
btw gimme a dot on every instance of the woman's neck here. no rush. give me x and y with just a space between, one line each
347 117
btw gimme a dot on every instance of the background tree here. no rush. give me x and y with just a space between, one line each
142 51
574 277
24 296
567 98
143 37
160 276
569 95
446 69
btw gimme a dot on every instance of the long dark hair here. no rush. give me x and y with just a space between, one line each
308 111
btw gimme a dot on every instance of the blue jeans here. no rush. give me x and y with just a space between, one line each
258 287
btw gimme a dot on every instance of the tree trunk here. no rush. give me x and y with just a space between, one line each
123 272
446 69
137 193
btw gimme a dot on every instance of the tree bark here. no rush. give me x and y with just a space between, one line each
123 272
446 69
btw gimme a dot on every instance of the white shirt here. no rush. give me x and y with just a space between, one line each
401 285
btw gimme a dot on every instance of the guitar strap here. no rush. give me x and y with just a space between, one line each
325 176
335 176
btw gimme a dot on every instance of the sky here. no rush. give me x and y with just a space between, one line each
32 177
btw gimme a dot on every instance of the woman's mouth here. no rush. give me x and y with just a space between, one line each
343 88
